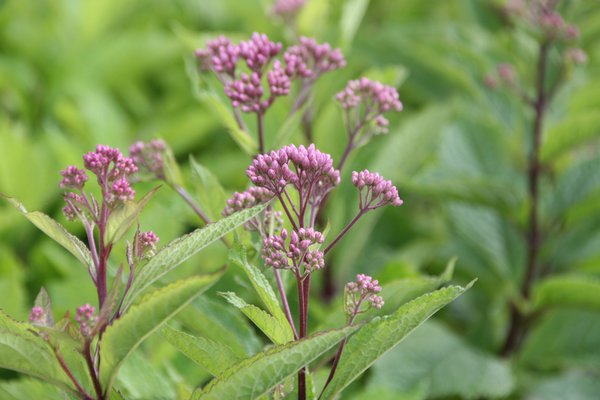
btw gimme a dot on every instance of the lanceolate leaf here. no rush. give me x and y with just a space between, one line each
23 351
262 287
121 338
382 334
213 356
256 375
183 248
56 232
210 192
121 219
568 291
279 332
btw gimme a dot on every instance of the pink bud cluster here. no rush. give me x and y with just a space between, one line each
287 9
370 99
86 319
296 256
220 55
302 167
258 51
541 16
247 199
247 92
310 59
374 190
149 157
36 315
112 171
364 289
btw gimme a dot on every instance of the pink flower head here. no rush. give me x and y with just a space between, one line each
296 255
75 203
248 199
73 178
149 240
258 51
310 59
310 168
247 93
374 95
374 190
279 82
108 164
356 293
287 9
220 55
149 157
121 191
86 319
36 315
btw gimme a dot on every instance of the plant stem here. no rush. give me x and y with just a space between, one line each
286 306
343 232
104 250
261 139
302 318
67 371
87 352
517 319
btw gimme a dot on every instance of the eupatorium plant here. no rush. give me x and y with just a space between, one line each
283 208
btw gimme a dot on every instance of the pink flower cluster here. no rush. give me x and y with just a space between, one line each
370 99
364 289
73 178
86 319
149 157
220 55
303 167
310 59
298 255
36 315
287 9
247 199
541 15
374 190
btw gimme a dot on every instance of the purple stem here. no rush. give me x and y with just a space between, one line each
286 306
87 352
343 232
67 371
261 139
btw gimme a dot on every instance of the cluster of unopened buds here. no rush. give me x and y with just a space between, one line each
149 157
86 318
300 253
112 171
357 294
245 89
287 9
37 315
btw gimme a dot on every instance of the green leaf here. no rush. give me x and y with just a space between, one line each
211 195
260 284
123 217
43 300
29 389
575 130
352 15
24 351
572 385
568 291
56 232
256 375
241 137
276 331
213 356
183 248
382 334
442 364
125 335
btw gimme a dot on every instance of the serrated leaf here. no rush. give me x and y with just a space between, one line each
183 248
257 375
382 334
210 192
261 285
276 331
123 217
55 231
213 356
568 291
23 351
126 333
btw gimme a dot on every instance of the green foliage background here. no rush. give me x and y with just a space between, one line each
77 73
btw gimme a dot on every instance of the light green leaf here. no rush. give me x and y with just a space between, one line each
382 334
213 356
183 248
442 365
121 338
210 192
241 137
278 332
56 232
575 130
30 389
568 291
256 375
352 15
261 286
123 217
23 351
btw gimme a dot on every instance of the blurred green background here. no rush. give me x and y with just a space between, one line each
77 73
